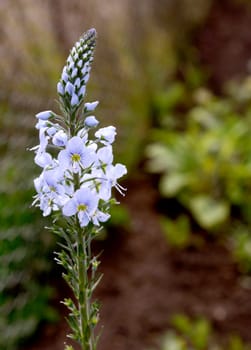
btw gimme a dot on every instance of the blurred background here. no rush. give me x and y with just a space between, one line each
174 77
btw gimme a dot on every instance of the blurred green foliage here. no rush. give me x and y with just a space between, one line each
177 231
29 69
240 244
197 334
120 218
197 331
202 151
24 246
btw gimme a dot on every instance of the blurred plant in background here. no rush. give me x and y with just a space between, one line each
204 160
198 334
24 247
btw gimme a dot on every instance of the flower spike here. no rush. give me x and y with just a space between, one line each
75 75
76 183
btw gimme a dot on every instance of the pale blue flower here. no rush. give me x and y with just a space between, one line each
41 124
104 157
81 92
99 216
43 200
76 155
43 159
74 100
52 179
83 134
55 186
80 63
60 138
91 121
106 135
84 203
60 88
65 75
43 138
69 88
74 73
85 69
109 180
90 106
51 130
70 62
77 83
45 115
52 192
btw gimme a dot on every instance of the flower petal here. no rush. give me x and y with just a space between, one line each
70 208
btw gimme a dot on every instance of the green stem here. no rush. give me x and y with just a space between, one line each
84 302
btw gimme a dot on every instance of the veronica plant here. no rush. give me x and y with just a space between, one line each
75 185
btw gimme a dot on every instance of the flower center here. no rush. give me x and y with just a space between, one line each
52 189
75 157
82 207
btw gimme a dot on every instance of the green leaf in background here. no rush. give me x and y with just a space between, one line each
241 245
197 332
172 342
169 98
209 212
160 158
177 232
236 343
171 184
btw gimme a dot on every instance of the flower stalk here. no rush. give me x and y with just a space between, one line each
75 186
83 294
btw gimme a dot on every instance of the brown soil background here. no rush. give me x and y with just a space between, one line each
145 282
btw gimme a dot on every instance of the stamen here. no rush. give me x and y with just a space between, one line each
82 207
75 157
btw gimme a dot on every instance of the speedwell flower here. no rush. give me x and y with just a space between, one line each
76 155
84 203
106 135
109 180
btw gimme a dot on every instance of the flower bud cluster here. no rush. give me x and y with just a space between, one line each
78 173
75 75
